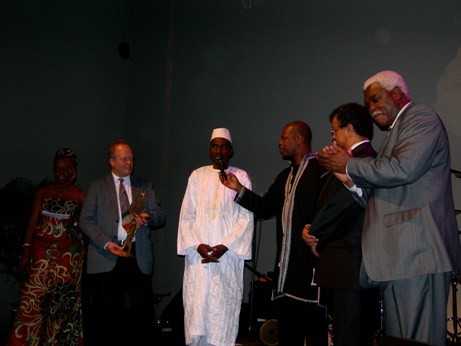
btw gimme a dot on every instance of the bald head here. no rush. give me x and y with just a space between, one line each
303 130
295 141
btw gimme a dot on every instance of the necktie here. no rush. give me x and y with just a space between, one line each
123 198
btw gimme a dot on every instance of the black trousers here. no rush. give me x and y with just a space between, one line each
354 312
299 320
118 306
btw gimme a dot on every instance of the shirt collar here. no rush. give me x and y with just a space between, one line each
126 180
353 146
399 114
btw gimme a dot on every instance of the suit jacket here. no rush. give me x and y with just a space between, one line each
410 226
338 226
99 221
301 262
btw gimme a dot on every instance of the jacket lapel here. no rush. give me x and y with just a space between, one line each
391 135
112 202
112 193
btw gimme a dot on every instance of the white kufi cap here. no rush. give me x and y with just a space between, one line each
221 133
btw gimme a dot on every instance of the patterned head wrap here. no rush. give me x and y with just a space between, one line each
65 153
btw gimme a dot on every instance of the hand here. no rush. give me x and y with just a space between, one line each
264 279
141 219
210 259
334 158
206 251
329 149
116 249
219 250
310 240
344 178
230 181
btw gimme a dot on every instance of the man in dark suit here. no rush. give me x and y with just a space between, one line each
409 240
292 199
119 285
335 232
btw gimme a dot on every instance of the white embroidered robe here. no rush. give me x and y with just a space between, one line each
212 292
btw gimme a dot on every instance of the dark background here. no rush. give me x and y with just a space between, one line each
249 65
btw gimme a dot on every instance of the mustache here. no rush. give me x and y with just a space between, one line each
220 160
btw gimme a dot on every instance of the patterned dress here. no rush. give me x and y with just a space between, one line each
50 308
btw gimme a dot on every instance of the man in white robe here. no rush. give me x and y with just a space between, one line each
215 236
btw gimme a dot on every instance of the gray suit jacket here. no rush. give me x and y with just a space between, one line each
99 221
410 226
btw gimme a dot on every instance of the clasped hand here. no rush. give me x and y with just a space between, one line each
333 158
116 249
142 219
211 254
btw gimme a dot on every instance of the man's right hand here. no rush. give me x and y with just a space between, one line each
231 182
310 240
115 249
333 158
206 251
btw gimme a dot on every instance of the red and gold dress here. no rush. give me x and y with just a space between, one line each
50 309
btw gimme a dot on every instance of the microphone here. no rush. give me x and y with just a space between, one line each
220 163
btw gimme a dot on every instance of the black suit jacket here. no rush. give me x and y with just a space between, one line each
338 226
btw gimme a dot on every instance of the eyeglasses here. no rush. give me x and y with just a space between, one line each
123 159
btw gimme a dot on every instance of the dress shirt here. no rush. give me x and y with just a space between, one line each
121 234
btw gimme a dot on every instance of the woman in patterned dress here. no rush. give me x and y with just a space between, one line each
50 308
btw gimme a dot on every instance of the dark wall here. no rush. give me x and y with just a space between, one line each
65 84
249 65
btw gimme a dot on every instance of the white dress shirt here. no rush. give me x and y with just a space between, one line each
121 234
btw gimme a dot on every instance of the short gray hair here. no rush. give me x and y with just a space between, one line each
388 80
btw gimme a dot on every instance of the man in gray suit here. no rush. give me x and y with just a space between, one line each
118 284
409 241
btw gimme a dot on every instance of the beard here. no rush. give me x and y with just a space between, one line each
286 156
220 162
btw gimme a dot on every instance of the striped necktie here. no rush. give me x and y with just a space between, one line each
123 198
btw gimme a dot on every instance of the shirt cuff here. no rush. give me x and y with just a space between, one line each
355 189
